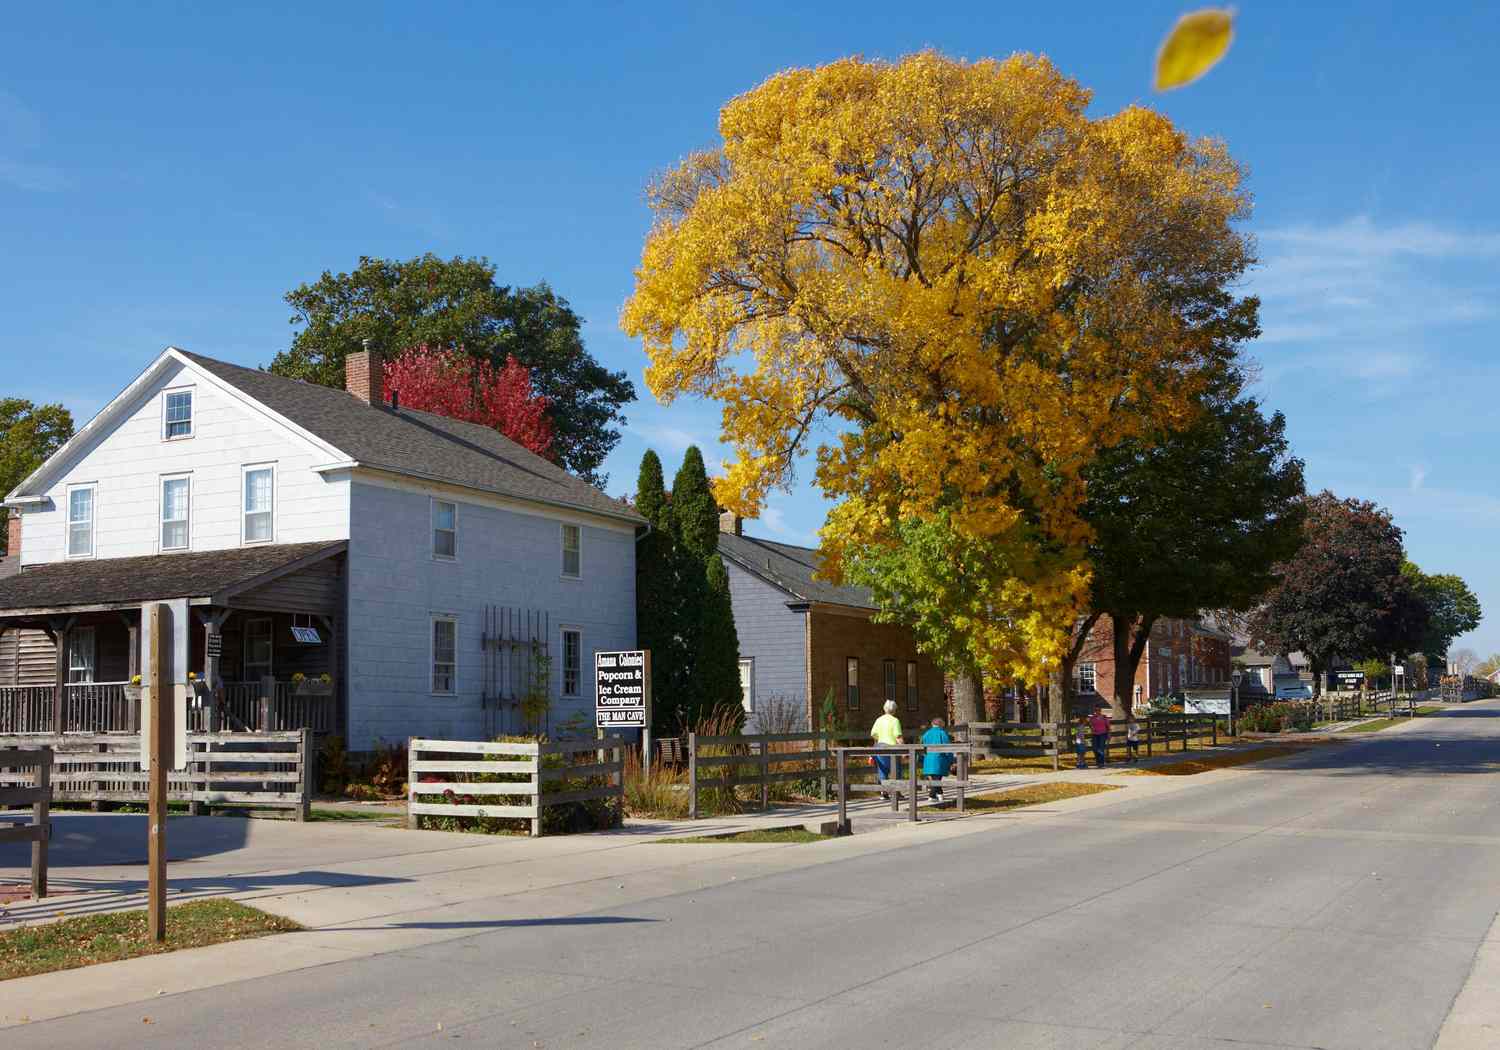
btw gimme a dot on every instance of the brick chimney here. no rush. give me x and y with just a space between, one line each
13 533
731 522
362 375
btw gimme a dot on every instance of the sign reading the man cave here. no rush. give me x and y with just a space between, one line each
622 689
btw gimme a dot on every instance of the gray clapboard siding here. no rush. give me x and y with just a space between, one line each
773 635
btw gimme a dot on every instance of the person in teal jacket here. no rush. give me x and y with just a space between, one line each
936 764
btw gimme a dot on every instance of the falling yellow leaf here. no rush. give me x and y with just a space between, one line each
1193 47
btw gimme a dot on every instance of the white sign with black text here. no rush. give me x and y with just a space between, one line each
622 689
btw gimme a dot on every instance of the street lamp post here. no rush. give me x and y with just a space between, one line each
1234 695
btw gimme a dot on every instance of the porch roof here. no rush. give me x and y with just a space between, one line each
105 583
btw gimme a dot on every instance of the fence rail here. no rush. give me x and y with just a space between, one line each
1053 739
895 785
271 770
38 796
760 760
454 769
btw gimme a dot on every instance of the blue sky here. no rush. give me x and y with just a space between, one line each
168 171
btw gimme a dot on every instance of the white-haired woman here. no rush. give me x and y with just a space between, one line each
887 731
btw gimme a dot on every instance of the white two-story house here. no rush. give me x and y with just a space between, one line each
434 571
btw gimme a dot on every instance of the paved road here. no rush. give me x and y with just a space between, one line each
1336 901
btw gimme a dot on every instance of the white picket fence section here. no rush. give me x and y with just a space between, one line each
463 767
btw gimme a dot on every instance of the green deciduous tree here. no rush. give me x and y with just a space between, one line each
1452 610
1343 592
1195 520
29 433
456 304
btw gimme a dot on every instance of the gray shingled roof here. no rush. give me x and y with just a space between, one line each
791 569
112 581
419 444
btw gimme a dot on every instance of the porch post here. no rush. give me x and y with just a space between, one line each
332 725
133 662
213 645
59 628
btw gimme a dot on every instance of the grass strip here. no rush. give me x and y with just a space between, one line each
761 836
1386 723
334 815
1208 763
88 939
1030 795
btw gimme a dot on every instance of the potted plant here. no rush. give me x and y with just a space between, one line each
322 685
133 688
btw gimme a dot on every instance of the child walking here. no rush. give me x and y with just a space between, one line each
1132 740
935 765
1081 741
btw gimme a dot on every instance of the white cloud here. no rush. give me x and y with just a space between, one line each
670 438
39 177
1418 476
1368 302
774 521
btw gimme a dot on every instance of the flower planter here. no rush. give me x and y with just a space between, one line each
132 692
314 688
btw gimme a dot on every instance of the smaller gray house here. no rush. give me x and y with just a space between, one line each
804 640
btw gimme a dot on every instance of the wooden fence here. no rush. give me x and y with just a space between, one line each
266 705
760 760
1054 740
38 795
271 770
456 769
911 784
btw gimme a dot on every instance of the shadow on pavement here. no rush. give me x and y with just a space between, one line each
87 840
498 924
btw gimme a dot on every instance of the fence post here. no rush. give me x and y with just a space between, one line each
692 776
1214 721
765 773
413 820
843 773
41 816
1056 744
912 773
304 811
963 774
539 785
824 743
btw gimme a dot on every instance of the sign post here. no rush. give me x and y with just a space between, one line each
622 695
164 739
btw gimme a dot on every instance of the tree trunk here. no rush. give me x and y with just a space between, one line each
1129 641
1057 698
968 697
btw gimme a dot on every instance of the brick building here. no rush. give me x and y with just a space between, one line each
1181 654
803 638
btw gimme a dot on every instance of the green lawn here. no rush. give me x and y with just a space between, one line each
771 835
1031 795
88 939
353 814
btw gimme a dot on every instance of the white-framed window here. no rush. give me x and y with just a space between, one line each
444 655
747 684
81 521
258 503
851 675
259 649
176 414
1087 679
572 662
176 506
444 530
911 685
81 654
572 551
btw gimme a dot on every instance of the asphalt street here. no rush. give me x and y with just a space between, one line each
1333 900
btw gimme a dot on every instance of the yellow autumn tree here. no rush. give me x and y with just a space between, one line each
962 286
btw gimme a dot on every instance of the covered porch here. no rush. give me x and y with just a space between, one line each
266 641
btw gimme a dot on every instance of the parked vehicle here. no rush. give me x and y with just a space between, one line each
1294 691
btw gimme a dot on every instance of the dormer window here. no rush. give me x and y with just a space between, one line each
177 414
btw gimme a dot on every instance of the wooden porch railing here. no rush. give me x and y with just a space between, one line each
112 707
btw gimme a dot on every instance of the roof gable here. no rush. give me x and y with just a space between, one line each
418 444
123 404
792 570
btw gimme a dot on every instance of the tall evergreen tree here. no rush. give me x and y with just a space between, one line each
706 616
656 612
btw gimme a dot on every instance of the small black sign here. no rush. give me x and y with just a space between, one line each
621 689
214 646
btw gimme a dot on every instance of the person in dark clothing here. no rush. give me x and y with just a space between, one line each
1099 727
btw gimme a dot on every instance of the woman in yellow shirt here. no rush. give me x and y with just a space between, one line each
887 730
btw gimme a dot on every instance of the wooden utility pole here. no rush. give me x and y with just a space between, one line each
159 754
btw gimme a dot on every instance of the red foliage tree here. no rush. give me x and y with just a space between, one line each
454 384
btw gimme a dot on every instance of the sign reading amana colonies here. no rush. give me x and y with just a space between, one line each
622 689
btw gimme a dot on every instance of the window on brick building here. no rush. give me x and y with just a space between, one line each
851 676
911 685
888 669
1087 679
